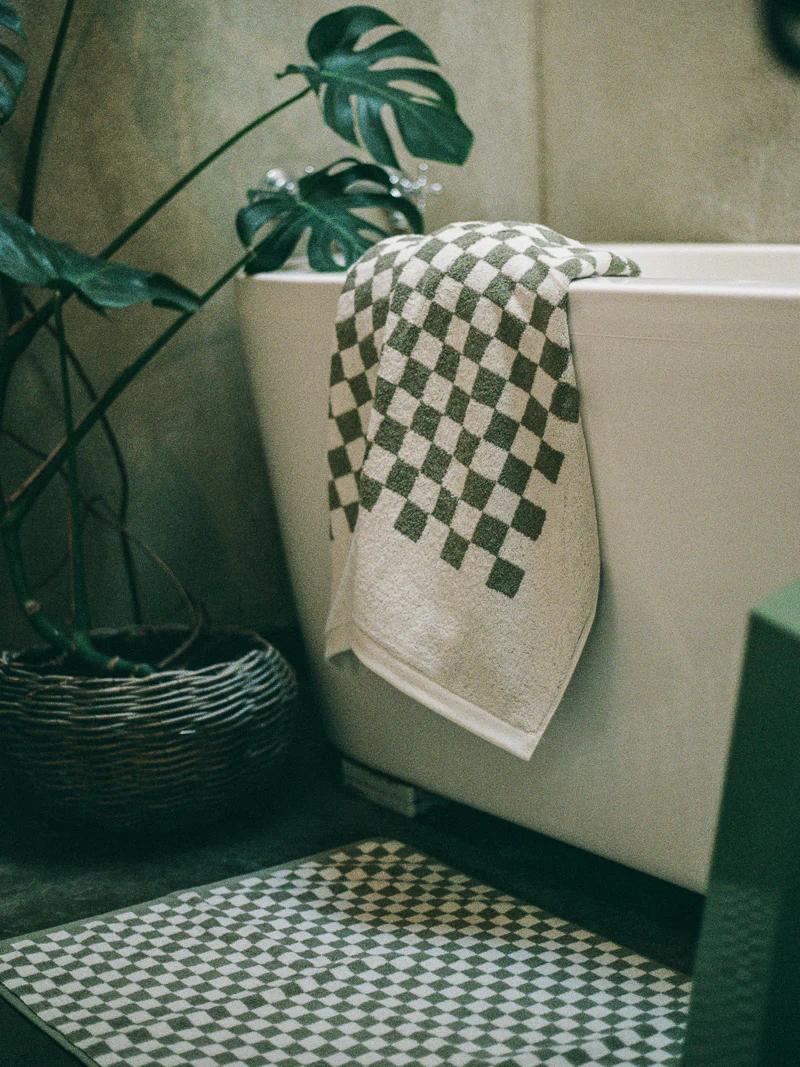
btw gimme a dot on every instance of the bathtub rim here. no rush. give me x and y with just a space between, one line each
661 285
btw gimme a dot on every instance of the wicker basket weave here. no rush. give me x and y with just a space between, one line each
121 753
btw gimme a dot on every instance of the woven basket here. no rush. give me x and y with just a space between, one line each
175 747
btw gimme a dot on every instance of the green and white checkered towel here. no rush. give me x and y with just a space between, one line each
465 552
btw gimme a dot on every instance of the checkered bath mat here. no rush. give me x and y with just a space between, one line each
370 954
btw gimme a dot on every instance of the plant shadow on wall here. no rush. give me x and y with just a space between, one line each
376 84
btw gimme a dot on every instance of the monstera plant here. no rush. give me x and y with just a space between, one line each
358 86
209 719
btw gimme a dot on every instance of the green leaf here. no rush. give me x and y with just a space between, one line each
10 19
355 93
325 205
12 66
30 258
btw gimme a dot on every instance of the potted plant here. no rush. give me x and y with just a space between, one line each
145 724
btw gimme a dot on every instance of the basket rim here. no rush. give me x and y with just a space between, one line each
9 665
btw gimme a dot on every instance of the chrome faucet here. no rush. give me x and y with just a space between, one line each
417 189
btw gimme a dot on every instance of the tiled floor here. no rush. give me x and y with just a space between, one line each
48 876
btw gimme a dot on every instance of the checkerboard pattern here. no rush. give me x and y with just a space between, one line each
372 954
453 398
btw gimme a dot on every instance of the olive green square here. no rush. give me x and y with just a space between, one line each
502 430
505 577
466 447
429 282
571 268
477 490
390 434
414 378
565 402
488 387
534 276
457 404
351 514
445 507
362 296
435 464
500 289
334 500
462 266
349 425
426 421
401 477
454 549
346 335
368 491
535 417
542 310
490 533
359 386
529 519
398 296
523 371
368 352
429 249
404 337
515 474
468 238
339 461
466 303
554 359
476 344
510 330
411 521
549 461
447 363
337 369
499 256
437 321
380 312
384 391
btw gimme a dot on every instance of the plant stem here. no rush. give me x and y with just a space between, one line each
32 608
17 340
12 293
30 172
21 501
128 562
80 599
100 509
16 343
45 628
173 190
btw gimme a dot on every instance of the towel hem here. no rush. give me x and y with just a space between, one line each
350 637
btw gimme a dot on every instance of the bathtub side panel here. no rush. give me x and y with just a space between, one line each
692 450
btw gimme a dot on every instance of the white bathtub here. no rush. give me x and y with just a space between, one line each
690 380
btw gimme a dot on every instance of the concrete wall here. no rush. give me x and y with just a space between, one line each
655 119
147 89
667 120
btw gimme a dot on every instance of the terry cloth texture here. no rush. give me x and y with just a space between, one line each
372 954
466 561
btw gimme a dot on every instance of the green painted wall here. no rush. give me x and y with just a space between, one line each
667 120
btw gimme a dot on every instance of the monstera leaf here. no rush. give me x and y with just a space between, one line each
12 68
30 258
325 206
355 93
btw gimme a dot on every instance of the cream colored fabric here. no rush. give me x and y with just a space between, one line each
465 550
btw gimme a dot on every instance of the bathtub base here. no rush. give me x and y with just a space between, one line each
688 379
386 791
